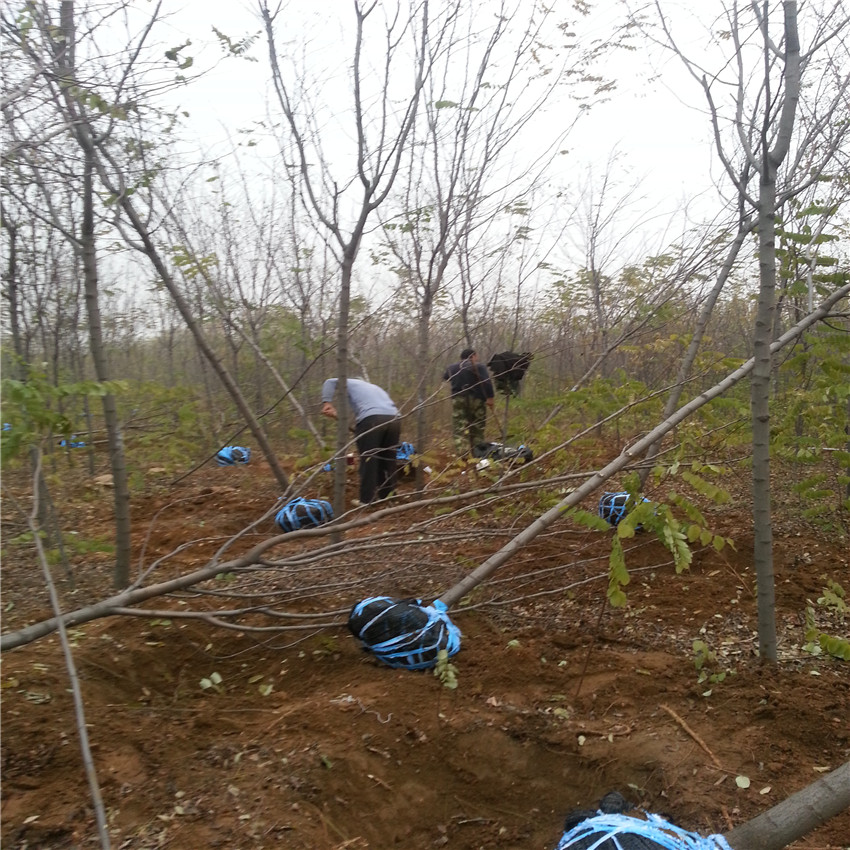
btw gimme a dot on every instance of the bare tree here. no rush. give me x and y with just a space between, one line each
81 238
231 282
379 129
88 251
473 164
126 167
788 141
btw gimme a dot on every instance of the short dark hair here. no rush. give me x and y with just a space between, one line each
467 353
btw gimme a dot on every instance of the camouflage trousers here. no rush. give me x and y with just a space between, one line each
469 418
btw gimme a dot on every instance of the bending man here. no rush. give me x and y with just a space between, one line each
377 429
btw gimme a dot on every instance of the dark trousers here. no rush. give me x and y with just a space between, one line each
378 439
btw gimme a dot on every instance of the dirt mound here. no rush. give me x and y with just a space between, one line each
312 745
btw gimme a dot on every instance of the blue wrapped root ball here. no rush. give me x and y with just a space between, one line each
614 506
609 828
404 452
404 632
231 455
303 513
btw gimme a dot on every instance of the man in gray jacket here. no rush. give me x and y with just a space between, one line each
377 430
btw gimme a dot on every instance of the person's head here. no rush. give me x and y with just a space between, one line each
467 354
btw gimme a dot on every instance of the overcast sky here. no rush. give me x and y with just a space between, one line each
653 120
646 120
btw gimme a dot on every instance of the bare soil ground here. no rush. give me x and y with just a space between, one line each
313 745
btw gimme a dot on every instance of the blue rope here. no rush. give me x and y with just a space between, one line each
404 632
620 832
299 513
230 455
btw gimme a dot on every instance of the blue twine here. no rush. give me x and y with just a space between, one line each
230 455
612 507
612 832
300 513
404 632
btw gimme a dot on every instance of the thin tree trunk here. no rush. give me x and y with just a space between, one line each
423 358
342 434
120 489
115 437
98 155
760 411
763 331
76 691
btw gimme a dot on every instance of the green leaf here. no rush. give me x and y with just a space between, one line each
836 647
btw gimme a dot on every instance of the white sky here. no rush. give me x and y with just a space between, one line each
654 120
660 139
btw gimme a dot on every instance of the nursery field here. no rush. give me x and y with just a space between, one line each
308 743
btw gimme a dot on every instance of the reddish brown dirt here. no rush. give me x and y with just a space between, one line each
559 699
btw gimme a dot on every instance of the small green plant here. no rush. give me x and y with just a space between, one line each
658 518
445 671
833 598
264 687
704 657
326 645
706 664
25 538
226 577
817 641
76 545
32 409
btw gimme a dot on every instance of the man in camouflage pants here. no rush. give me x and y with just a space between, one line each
472 394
